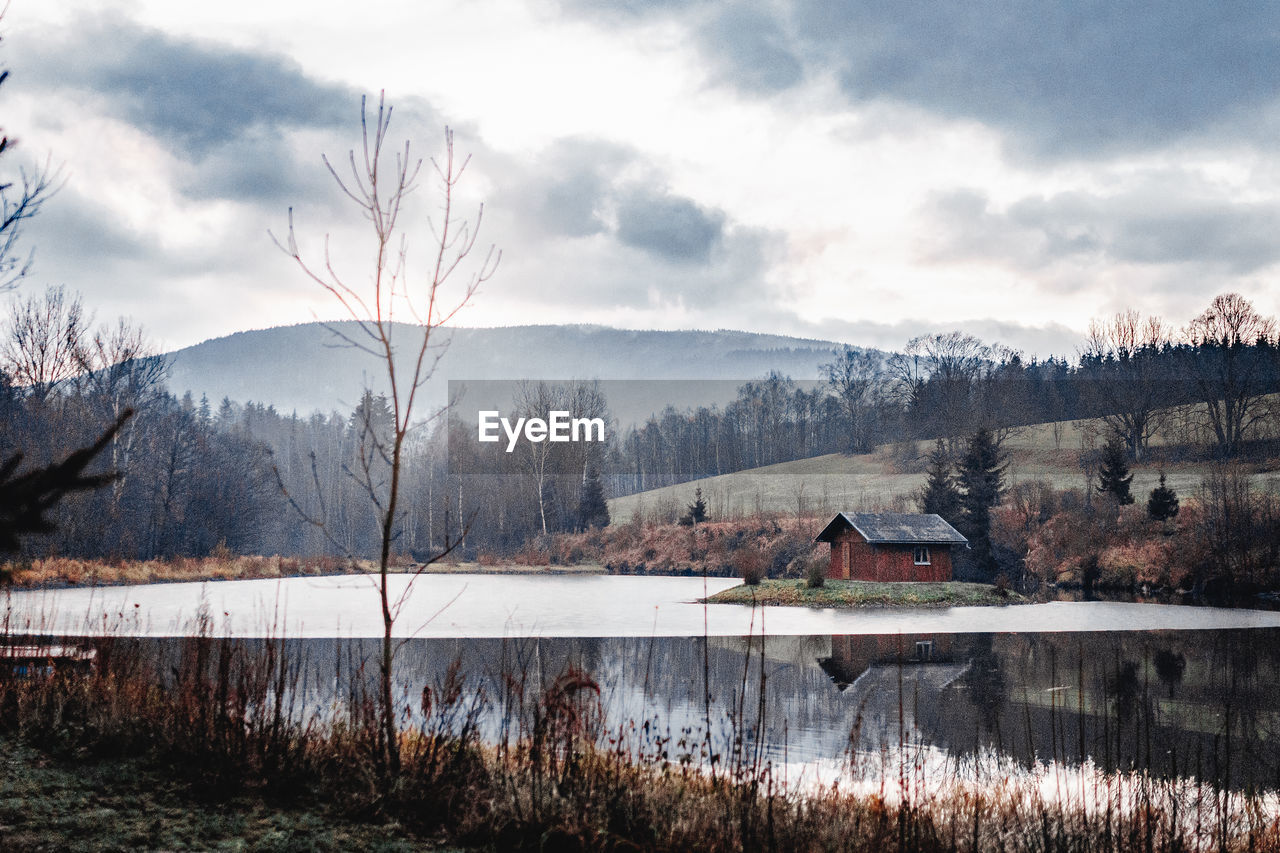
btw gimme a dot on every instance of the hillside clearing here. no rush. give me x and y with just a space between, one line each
889 477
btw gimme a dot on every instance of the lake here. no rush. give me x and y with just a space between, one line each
478 606
1177 691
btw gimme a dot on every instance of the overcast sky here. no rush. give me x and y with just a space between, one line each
855 171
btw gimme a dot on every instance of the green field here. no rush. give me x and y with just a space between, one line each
886 479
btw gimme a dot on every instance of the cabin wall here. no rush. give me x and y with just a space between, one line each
852 558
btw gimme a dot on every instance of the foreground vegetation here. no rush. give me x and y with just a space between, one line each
53 802
218 745
843 593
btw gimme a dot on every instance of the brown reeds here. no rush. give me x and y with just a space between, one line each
223 565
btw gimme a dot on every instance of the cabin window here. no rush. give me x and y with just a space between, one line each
922 555
924 649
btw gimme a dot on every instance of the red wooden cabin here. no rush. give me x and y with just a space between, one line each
890 546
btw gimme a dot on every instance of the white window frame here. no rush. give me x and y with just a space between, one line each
919 551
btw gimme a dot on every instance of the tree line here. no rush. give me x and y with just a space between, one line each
195 476
1207 384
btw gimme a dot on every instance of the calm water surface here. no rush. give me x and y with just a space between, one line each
1189 704
1173 690
476 606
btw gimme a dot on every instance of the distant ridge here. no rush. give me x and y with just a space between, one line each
305 368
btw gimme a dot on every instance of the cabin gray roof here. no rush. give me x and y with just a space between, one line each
894 528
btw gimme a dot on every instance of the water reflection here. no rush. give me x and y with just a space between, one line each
1188 703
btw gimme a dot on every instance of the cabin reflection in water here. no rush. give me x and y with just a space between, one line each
892 680
854 656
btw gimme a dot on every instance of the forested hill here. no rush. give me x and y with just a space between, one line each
306 367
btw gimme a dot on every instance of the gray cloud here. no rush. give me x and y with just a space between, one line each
620 11
83 232
258 167
1066 80
195 96
571 185
228 115
581 188
605 275
592 224
1165 219
670 227
752 49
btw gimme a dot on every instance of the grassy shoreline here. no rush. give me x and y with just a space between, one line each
852 594
63 573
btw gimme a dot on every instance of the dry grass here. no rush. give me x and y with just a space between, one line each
821 485
781 546
68 571
506 567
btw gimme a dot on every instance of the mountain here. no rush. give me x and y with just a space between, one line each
307 367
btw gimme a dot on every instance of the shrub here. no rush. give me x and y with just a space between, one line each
784 553
750 565
1089 570
816 572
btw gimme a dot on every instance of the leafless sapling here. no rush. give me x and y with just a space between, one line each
380 179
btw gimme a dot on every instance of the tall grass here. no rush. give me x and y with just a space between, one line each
222 565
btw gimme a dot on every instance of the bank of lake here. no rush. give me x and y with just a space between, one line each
846 593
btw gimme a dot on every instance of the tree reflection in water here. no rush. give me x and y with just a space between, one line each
1071 697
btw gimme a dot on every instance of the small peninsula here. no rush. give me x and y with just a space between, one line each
847 594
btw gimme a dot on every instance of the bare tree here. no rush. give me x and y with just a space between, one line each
535 400
379 182
1126 360
121 369
934 378
21 198
1233 351
44 343
854 376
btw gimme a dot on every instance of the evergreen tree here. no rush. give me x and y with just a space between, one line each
940 494
697 510
1113 475
593 510
27 498
1163 503
981 482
